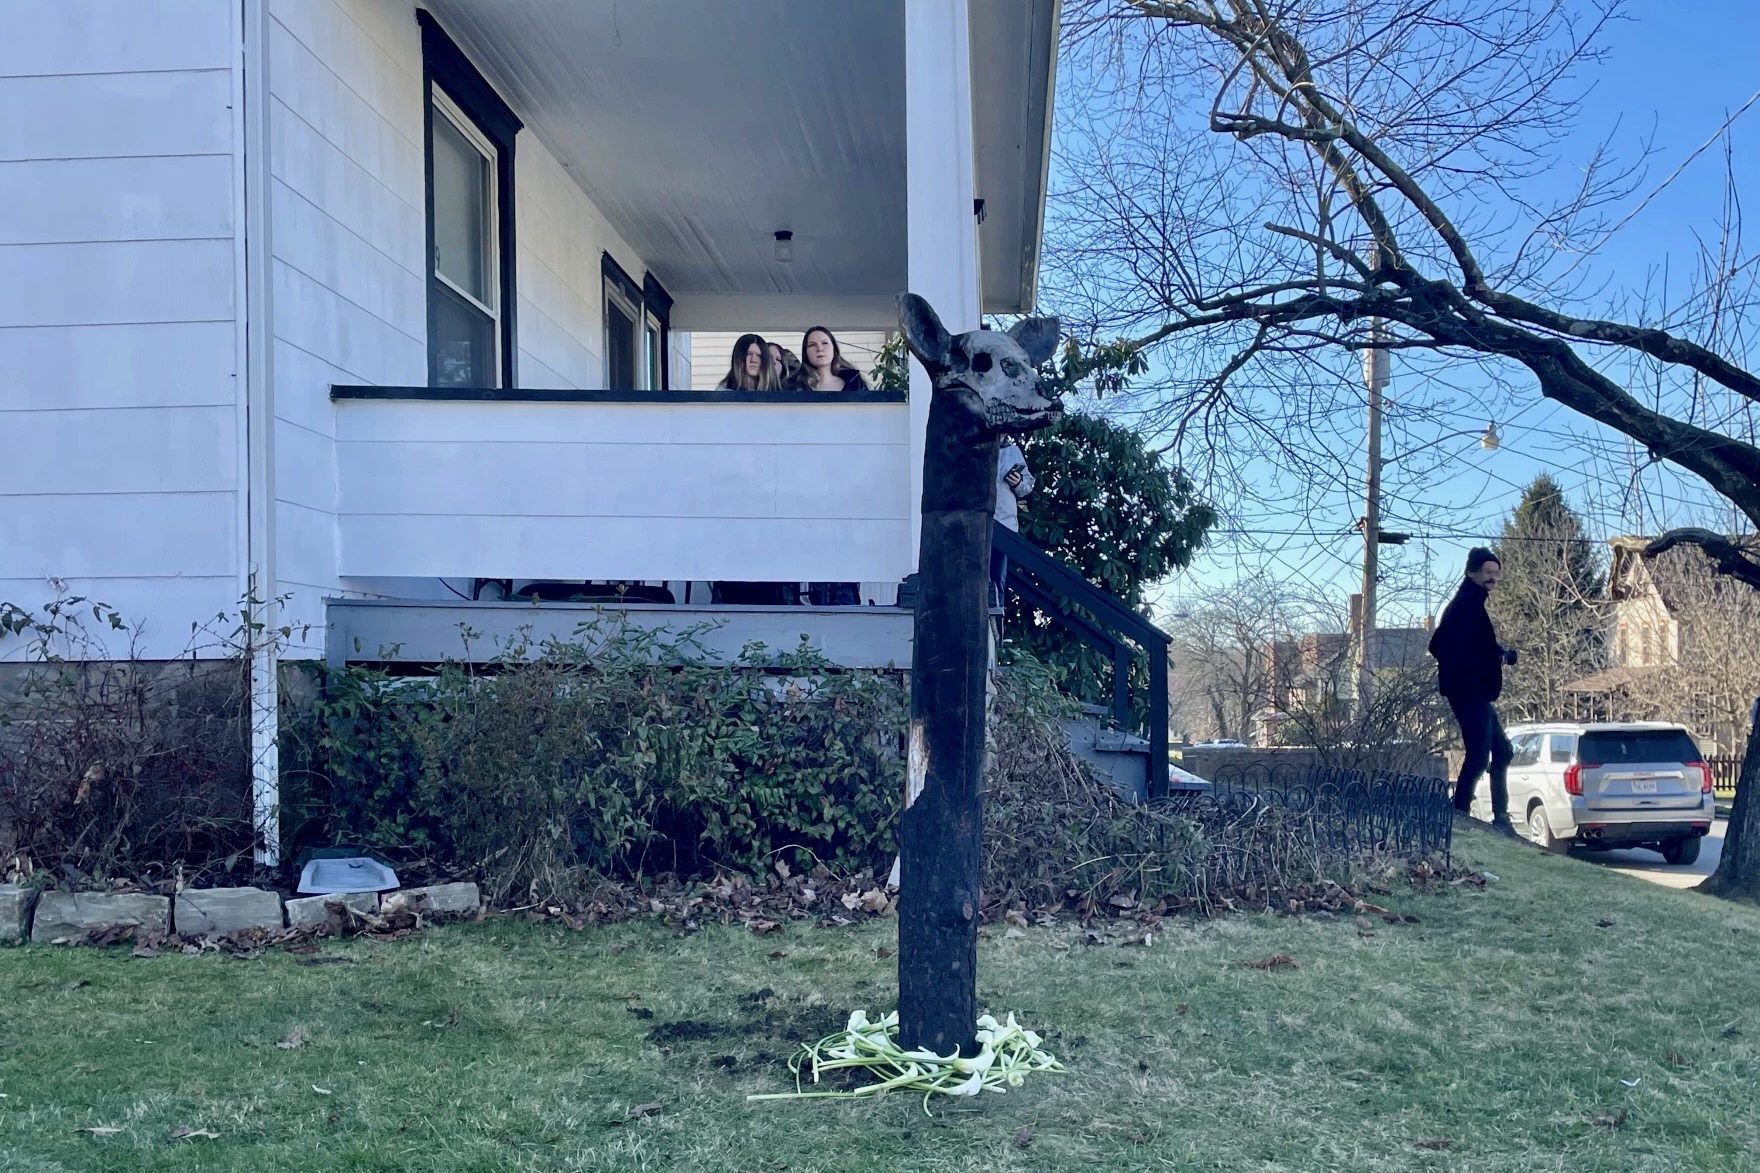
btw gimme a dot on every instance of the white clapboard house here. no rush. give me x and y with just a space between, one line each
385 306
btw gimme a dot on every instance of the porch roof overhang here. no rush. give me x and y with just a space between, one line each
700 128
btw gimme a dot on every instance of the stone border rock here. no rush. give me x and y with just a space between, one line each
65 915
197 912
16 905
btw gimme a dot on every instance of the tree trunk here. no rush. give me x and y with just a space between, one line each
1738 871
942 830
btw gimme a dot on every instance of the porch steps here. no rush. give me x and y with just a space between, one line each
1120 758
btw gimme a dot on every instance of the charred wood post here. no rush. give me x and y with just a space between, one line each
985 385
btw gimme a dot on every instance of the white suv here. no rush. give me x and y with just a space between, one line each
1636 784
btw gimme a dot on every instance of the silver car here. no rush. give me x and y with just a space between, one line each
1600 786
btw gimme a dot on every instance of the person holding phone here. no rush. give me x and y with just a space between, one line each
1014 481
1469 674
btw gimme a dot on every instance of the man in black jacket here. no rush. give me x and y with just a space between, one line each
1469 663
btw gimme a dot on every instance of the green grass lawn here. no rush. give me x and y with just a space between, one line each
1504 1022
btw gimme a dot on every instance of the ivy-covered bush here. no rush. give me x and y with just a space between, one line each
621 753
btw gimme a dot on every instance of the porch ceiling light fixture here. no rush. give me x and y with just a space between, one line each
785 246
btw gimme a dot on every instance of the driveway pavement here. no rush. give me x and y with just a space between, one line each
1648 865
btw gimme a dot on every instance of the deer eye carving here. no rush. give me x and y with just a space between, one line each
981 361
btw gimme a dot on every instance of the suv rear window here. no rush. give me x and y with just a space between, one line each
1649 745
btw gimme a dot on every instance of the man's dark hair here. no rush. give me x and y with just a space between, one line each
1478 556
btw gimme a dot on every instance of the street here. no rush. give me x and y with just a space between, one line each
1648 865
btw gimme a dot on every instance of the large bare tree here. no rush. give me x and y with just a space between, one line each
1265 186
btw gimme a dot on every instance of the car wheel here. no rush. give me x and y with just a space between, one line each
1681 851
1540 832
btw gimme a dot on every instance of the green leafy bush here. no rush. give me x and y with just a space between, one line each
620 753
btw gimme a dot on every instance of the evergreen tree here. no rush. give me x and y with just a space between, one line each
1107 505
1550 603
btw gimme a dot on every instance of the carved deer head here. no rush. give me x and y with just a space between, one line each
992 375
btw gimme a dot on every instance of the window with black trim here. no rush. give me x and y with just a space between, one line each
637 331
470 136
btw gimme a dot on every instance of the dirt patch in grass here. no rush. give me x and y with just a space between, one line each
770 1027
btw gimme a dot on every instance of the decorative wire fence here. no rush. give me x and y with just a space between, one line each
1350 811
1724 774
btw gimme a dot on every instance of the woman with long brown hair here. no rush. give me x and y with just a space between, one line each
822 364
749 369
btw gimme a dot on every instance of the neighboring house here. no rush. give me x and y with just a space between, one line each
1682 646
1312 669
342 300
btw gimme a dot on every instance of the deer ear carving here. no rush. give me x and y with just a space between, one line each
924 333
1036 336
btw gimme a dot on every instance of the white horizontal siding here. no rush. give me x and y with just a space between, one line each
55 201
348 286
634 480
636 491
640 548
171 364
115 115
119 535
118 450
158 610
561 238
115 282
118 389
684 422
114 36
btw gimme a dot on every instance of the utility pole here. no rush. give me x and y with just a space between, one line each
1375 378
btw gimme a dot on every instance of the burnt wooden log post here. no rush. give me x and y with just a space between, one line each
985 385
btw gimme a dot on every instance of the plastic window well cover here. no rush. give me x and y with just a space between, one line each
358 874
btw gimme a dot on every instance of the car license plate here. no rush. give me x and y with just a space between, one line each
1643 786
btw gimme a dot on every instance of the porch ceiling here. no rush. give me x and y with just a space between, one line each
702 127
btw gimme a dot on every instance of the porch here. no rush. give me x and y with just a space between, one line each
595 221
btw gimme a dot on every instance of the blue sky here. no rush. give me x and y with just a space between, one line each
1673 80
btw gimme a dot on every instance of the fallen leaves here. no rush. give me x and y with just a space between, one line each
100 1130
1613 1121
640 1110
1276 961
323 1091
1024 1138
185 1132
296 1038
1434 1142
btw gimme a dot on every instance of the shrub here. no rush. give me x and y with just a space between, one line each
119 766
620 753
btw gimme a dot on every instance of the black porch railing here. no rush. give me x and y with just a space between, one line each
1106 624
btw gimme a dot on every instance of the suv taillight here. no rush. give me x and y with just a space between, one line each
1573 780
1705 783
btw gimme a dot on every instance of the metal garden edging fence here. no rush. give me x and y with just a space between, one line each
1352 810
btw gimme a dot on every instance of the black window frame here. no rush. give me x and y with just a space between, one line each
444 65
649 299
657 303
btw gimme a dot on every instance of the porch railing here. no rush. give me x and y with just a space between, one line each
1104 623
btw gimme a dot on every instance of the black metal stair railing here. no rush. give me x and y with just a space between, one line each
1103 622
